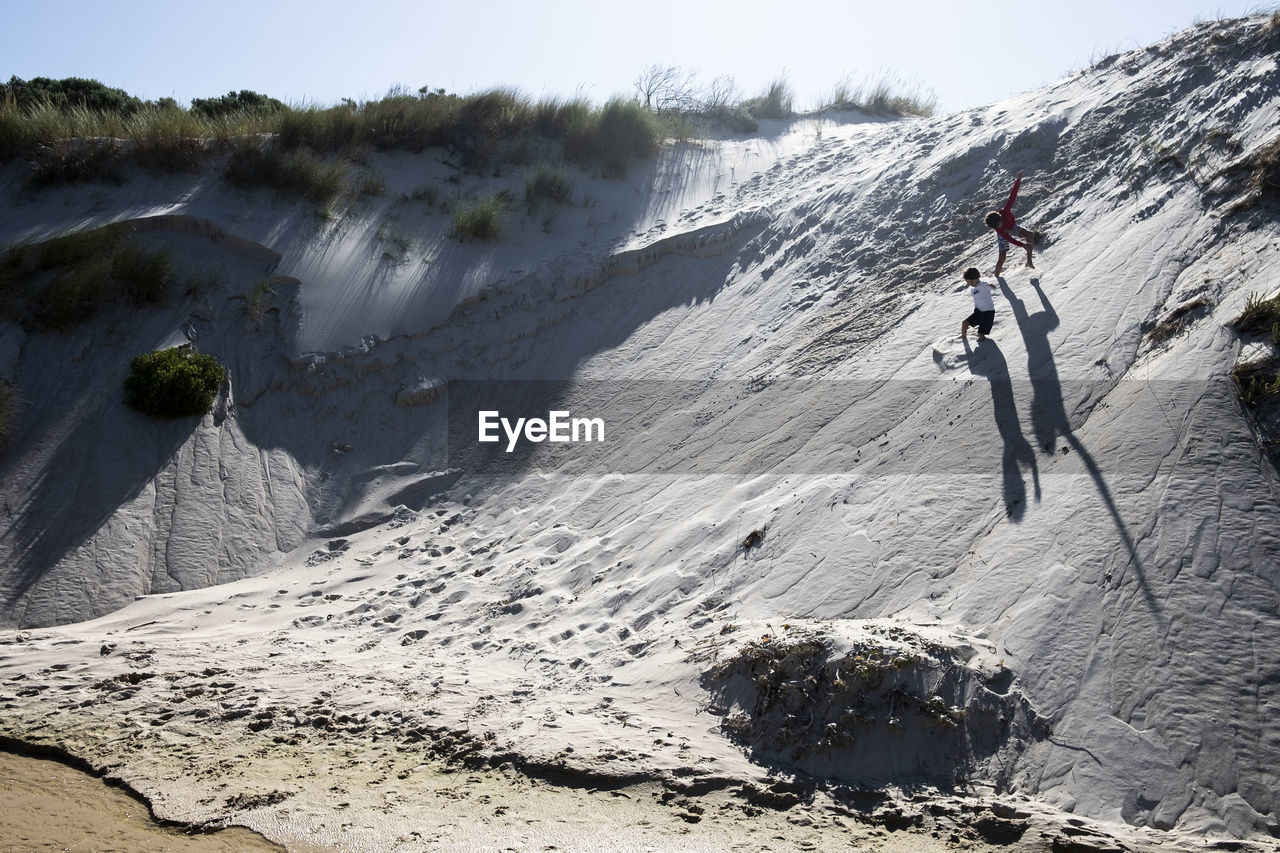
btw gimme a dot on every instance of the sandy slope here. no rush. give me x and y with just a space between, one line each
1042 567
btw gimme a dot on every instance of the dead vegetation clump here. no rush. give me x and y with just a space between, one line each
1257 378
892 706
1250 183
1178 320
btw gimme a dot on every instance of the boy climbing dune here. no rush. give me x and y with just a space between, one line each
1003 223
984 308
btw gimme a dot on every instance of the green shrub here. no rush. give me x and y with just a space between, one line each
68 92
173 383
232 102
479 220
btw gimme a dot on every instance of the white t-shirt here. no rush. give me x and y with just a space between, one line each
982 293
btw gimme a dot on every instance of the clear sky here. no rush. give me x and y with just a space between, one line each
320 51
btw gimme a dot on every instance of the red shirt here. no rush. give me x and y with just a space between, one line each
1006 216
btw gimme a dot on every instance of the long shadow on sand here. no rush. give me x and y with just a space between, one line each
989 362
1049 418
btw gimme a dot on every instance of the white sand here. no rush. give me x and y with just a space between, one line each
1071 516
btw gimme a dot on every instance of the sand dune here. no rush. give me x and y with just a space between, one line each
831 571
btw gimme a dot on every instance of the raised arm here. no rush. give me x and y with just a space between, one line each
1013 194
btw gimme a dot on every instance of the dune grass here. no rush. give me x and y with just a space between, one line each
76 131
146 273
1266 177
625 132
775 102
884 95
480 219
61 282
72 142
76 144
1257 382
296 172
547 183
1261 316
480 131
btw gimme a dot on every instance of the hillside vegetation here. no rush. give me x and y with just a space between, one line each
76 130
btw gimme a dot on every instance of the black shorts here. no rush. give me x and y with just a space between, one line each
982 319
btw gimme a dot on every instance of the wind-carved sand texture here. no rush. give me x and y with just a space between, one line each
325 612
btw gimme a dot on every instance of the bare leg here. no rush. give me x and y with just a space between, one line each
964 329
1000 261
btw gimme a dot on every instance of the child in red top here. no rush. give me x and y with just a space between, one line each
1003 223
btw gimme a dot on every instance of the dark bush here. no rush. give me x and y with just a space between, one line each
173 383
67 93
244 100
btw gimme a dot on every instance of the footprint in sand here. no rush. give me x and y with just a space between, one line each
950 353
